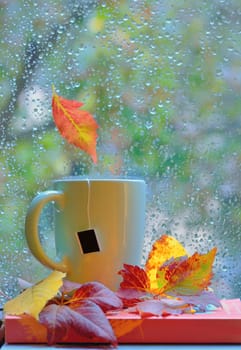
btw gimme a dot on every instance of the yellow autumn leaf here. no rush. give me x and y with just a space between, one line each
33 299
165 248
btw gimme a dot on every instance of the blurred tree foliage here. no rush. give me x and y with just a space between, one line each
163 81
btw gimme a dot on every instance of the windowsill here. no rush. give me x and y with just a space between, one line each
222 326
127 347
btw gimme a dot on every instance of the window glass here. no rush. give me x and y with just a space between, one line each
162 79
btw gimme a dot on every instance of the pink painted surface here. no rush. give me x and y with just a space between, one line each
220 326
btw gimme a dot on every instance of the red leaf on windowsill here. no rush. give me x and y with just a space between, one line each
134 286
98 294
87 319
80 309
134 278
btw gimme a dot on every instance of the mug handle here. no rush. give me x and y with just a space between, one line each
31 228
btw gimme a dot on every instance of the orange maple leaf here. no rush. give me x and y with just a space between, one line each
188 275
77 126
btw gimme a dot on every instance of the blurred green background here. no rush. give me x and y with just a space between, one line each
163 80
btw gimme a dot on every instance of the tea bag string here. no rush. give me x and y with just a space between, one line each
88 203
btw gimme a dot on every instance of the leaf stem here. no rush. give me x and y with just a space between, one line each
53 89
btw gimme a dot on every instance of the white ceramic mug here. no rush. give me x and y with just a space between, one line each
99 225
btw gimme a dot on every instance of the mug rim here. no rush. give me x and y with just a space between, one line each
98 179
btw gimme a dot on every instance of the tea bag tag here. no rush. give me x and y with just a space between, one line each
88 241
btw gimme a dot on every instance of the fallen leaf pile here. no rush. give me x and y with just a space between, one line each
68 306
171 283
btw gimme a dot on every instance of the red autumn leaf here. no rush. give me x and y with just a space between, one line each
88 319
135 285
79 310
77 126
134 277
98 294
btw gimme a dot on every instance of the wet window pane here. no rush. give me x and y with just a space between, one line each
163 80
